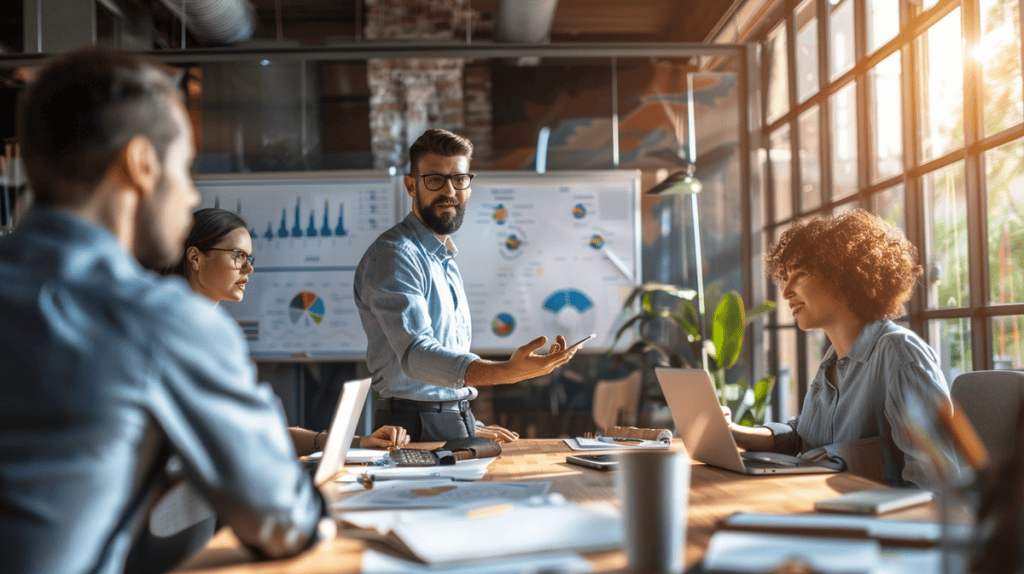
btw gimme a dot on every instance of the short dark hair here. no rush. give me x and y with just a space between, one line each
439 142
82 110
859 255
210 226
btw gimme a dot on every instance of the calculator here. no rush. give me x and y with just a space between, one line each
416 457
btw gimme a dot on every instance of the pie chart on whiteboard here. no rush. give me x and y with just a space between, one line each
569 312
306 309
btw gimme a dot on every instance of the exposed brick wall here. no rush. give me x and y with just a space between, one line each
478 115
411 96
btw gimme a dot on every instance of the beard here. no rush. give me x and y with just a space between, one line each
152 249
446 223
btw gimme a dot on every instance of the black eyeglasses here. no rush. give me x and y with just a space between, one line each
240 256
435 181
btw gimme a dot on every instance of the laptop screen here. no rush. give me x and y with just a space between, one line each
691 397
343 428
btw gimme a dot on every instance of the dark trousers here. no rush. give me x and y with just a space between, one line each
429 421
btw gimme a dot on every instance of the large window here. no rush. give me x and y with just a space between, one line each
906 137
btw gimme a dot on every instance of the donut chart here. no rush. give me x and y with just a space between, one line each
306 305
503 324
569 312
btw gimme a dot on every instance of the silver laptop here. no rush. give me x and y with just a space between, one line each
343 428
705 433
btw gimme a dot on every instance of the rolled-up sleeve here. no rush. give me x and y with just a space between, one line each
787 441
232 435
394 288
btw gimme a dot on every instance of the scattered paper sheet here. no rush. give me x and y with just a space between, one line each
379 563
440 536
443 494
912 561
873 527
364 455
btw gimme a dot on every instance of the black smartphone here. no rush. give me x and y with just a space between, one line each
598 461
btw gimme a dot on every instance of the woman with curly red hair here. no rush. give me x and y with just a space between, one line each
849 276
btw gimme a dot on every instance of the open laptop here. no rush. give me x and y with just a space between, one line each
705 433
343 428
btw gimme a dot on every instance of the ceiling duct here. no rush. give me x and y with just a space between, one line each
221 21
525 21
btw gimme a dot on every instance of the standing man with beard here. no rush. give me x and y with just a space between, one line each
414 310
110 369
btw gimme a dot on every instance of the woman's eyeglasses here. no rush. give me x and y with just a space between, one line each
239 258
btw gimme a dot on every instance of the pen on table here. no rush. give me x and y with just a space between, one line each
614 439
367 480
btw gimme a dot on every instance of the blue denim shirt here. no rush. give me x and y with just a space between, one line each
105 371
413 306
881 383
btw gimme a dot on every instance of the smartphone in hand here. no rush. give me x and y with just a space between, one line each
581 341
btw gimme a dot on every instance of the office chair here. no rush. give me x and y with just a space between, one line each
990 399
616 401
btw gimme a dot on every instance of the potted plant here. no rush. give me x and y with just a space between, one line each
725 325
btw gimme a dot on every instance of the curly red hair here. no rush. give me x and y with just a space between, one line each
860 256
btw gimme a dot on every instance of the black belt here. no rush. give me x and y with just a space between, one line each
426 406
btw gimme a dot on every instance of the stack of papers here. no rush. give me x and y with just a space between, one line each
580 443
453 536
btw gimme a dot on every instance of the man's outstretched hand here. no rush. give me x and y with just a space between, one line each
524 364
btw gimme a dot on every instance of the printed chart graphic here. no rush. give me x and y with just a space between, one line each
306 306
503 324
308 236
552 254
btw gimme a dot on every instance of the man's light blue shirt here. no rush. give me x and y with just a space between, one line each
108 370
413 307
882 382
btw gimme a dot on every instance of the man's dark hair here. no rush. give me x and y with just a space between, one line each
438 142
82 110
211 225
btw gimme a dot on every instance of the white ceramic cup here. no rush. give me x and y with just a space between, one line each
654 487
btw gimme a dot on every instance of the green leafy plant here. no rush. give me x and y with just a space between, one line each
725 327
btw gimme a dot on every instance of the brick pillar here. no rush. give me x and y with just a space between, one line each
478 116
413 95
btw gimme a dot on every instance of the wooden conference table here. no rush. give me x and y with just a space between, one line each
714 495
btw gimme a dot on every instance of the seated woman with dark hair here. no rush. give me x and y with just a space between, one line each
216 263
850 275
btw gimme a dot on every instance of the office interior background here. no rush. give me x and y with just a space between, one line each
912 109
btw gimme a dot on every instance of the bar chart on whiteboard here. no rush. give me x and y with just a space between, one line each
308 236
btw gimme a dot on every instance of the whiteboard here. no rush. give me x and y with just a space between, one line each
309 232
549 254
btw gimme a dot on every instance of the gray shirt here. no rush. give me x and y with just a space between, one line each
414 309
880 385
108 370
